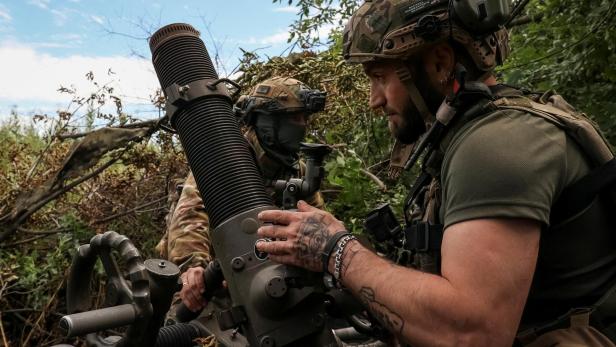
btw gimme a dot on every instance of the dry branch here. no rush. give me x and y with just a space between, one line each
44 311
375 179
25 241
54 194
2 332
134 209
43 232
145 124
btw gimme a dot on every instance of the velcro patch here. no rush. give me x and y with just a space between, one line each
263 89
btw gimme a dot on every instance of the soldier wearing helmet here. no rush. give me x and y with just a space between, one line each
506 248
275 114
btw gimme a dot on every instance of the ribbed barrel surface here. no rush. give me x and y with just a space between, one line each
219 157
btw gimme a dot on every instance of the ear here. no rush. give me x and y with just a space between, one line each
439 61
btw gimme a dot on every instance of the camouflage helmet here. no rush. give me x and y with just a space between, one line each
397 29
280 95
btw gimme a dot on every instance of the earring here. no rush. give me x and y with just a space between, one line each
445 80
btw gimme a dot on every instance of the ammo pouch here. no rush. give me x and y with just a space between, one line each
600 316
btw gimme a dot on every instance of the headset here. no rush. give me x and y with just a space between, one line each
312 99
481 16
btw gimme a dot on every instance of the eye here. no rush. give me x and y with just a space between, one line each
377 76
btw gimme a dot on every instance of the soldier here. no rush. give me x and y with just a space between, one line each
275 114
527 252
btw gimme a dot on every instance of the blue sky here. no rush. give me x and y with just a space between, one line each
48 43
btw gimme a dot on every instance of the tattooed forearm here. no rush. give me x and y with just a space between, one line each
313 236
390 320
347 258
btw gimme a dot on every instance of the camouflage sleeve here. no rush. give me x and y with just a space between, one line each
188 234
315 199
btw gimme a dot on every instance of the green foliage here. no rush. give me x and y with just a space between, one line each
44 266
572 49
79 231
360 136
130 197
358 193
345 172
33 282
315 16
347 118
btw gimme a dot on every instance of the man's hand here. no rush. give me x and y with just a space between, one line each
193 286
298 237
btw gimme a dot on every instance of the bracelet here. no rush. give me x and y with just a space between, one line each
338 257
329 248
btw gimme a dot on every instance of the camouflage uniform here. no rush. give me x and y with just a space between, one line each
187 240
187 235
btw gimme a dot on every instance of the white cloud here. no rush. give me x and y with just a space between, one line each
97 19
60 16
286 9
37 76
65 40
50 45
280 37
324 30
276 38
76 38
5 16
44 4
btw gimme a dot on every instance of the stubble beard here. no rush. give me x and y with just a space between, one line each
412 124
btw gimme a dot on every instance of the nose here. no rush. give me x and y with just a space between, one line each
377 97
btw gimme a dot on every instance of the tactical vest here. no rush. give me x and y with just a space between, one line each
424 230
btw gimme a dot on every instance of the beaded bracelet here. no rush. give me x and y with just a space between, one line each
338 257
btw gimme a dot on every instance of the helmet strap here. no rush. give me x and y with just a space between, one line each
405 76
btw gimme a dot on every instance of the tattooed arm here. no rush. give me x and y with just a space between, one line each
487 267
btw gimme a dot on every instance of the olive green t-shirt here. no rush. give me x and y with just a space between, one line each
512 164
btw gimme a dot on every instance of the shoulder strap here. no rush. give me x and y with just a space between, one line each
581 129
578 196
423 237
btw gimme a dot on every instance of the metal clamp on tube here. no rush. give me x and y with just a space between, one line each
180 96
263 309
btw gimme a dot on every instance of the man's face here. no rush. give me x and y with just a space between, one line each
388 93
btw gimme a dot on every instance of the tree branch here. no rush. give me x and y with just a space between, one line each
51 300
42 232
525 20
55 194
18 310
375 179
117 215
25 241
2 332
144 124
